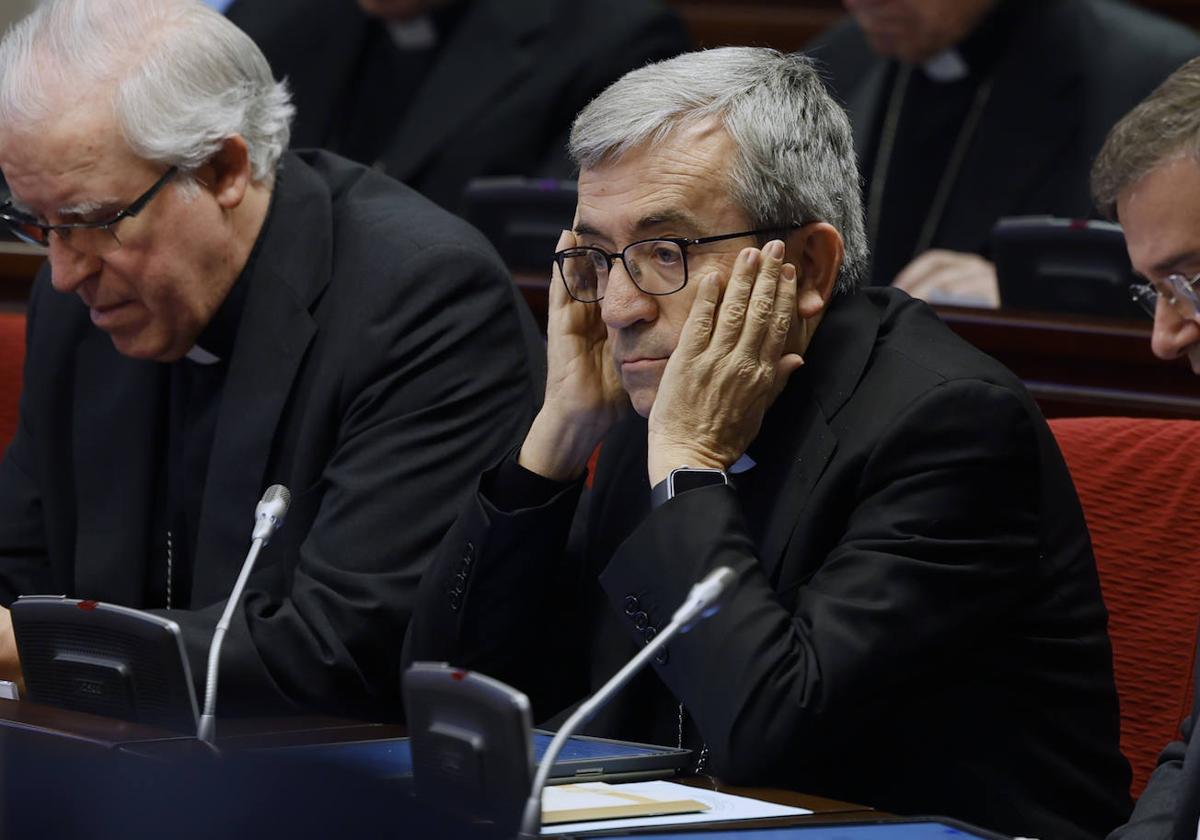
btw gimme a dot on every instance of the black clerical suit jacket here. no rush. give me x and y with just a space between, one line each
501 94
383 358
918 624
1072 70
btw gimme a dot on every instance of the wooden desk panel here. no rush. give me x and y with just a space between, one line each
1081 366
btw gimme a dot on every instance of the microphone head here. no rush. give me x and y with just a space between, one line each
705 597
269 513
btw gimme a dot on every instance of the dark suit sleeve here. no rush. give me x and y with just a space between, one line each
439 382
943 529
503 577
1154 816
24 564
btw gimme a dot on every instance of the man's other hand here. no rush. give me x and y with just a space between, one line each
951 277
10 663
729 367
584 397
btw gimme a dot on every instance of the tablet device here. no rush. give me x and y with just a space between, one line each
104 659
1063 265
582 758
920 828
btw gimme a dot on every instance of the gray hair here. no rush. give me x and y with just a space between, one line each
1164 126
795 157
181 79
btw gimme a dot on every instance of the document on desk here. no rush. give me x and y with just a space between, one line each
719 807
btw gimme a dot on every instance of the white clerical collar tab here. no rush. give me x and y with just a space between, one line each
416 34
742 464
201 356
947 66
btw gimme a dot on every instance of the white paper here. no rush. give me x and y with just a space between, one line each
721 807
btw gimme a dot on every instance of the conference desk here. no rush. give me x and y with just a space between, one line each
62 743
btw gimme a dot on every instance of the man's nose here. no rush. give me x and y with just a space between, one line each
69 267
624 304
1173 334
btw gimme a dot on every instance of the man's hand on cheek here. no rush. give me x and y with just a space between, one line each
728 367
584 397
10 662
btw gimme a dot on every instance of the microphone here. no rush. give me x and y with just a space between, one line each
268 516
702 601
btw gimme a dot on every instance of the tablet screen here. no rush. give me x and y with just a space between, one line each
392 757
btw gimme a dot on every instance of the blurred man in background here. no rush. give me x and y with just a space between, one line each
437 92
967 111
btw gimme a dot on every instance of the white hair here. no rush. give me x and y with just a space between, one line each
794 159
180 78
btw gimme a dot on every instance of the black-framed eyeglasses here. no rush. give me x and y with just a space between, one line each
85 237
656 266
1178 290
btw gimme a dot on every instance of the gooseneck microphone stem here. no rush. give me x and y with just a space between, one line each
268 516
208 719
702 601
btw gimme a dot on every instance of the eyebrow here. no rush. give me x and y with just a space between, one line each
84 208
1171 265
680 218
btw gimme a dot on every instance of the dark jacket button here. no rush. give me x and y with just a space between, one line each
640 620
632 605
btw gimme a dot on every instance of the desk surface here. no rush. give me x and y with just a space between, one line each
32 723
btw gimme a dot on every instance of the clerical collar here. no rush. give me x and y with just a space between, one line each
426 31
978 53
216 340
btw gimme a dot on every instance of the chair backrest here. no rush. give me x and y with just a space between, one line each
12 359
1137 480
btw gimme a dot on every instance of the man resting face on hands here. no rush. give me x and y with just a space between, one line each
911 555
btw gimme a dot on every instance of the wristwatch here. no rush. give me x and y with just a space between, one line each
682 479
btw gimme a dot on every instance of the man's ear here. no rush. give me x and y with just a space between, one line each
817 250
228 173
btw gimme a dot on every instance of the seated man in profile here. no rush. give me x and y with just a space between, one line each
1147 177
918 624
218 316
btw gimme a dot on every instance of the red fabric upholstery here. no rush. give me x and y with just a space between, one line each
1138 481
12 357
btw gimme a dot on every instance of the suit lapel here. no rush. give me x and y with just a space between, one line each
286 274
117 442
485 57
798 430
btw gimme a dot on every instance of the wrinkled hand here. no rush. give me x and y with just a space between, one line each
584 397
728 367
951 277
10 663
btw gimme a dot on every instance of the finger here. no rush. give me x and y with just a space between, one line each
760 314
788 364
697 330
780 325
736 298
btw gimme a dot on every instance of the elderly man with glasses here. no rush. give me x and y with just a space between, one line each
1147 177
233 316
917 623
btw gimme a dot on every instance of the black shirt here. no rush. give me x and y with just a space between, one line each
933 118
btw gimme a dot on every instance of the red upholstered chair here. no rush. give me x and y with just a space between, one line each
1139 480
12 357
